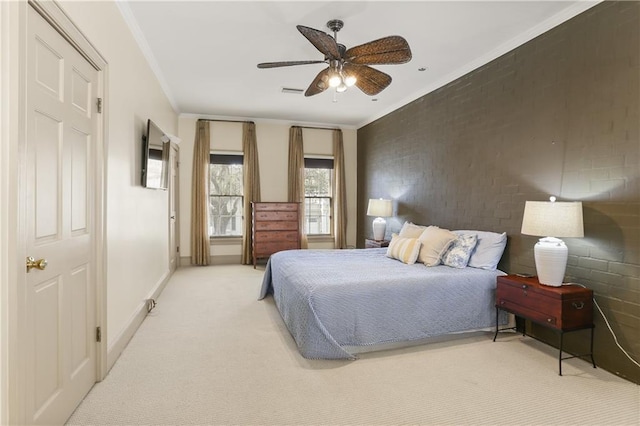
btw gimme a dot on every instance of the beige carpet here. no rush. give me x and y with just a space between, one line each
210 353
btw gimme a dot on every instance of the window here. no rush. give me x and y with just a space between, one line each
317 192
225 195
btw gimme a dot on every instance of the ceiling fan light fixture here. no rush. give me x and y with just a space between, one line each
335 80
349 67
350 80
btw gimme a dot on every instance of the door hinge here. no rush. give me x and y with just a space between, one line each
99 103
98 335
177 249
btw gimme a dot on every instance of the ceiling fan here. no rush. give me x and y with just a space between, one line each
348 67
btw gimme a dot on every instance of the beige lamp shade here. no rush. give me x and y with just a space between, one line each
380 207
553 219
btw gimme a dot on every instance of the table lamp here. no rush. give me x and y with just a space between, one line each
551 219
380 208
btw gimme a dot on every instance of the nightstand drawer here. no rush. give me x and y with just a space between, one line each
527 312
546 308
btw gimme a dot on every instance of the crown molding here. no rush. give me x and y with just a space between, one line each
138 35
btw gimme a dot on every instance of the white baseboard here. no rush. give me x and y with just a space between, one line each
120 342
227 259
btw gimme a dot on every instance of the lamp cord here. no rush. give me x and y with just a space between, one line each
606 321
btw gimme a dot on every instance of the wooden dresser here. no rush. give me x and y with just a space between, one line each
276 227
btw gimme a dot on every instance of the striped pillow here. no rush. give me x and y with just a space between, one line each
404 249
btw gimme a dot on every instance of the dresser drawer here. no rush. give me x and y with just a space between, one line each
267 249
276 215
260 207
272 236
276 226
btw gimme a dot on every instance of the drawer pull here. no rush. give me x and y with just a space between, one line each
524 286
549 320
578 305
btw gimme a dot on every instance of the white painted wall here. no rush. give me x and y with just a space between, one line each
273 153
136 218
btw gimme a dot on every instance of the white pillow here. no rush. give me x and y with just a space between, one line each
411 230
403 249
460 251
488 250
435 242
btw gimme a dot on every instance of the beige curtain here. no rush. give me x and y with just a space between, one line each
339 192
200 196
296 176
251 188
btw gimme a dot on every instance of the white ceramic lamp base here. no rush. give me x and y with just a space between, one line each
551 260
379 228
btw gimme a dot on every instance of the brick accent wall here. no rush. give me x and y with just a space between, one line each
559 116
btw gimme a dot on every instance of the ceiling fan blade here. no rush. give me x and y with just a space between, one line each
369 80
319 84
387 50
287 64
322 41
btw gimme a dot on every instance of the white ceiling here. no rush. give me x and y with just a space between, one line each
205 52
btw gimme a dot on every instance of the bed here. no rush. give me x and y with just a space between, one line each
335 302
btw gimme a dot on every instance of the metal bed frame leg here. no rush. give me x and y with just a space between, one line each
497 329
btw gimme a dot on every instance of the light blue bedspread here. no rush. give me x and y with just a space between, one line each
331 299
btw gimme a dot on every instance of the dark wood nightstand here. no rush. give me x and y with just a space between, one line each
375 244
563 309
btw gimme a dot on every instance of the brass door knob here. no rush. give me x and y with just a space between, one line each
38 264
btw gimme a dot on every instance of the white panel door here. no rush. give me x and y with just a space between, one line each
59 322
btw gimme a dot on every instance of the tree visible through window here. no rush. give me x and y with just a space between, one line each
225 195
317 192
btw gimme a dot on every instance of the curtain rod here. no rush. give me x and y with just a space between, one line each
224 121
241 121
317 128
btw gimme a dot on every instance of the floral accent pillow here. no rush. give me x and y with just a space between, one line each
460 251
